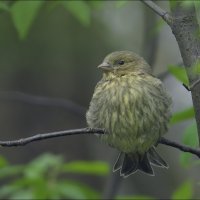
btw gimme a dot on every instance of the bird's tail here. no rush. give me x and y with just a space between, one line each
129 163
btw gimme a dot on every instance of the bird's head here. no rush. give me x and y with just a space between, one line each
122 62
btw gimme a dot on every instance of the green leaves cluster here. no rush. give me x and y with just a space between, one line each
41 179
24 13
46 177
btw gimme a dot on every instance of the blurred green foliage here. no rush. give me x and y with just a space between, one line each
46 178
179 73
94 168
80 10
184 191
23 14
186 114
186 3
190 138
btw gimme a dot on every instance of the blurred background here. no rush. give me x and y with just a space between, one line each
49 51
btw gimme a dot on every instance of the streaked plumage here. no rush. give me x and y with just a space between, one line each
134 109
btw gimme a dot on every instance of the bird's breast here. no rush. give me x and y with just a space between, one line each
132 110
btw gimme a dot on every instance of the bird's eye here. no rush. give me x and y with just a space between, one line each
121 62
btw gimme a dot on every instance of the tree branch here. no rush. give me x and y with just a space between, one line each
24 141
185 28
181 147
158 10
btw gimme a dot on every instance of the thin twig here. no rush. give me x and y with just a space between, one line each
24 141
180 146
164 14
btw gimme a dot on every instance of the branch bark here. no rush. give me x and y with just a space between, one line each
185 28
24 141
158 10
181 147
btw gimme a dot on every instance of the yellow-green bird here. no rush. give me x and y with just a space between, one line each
133 108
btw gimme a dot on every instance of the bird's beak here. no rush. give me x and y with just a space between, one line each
104 66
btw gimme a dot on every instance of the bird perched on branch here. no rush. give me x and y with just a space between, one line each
133 108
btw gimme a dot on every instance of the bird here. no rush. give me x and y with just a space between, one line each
133 107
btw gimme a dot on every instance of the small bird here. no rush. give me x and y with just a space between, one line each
133 108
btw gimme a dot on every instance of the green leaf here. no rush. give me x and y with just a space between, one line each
87 167
8 171
23 14
182 115
190 138
80 10
40 165
3 162
136 197
179 73
191 135
121 3
39 186
185 191
76 190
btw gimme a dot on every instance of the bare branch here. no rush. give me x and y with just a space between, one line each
164 14
24 141
181 147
